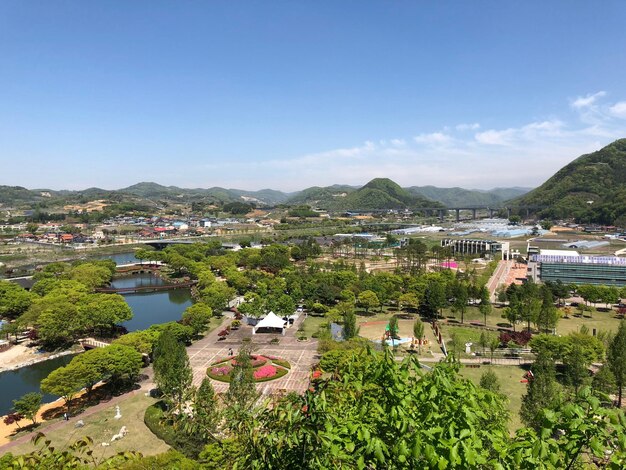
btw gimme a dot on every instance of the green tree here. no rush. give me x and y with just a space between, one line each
393 328
101 312
206 412
494 343
456 346
91 275
461 296
242 390
489 381
172 373
58 325
9 329
604 380
217 296
418 332
141 341
543 392
350 329
485 303
548 313
576 373
434 297
368 300
14 300
63 382
357 434
197 316
28 405
284 305
616 360
408 301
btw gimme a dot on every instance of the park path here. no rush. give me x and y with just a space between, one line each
144 387
498 277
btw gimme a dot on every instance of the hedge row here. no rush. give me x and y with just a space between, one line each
188 445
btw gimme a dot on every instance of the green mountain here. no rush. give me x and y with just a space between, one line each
458 197
382 193
324 198
592 188
265 196
210 195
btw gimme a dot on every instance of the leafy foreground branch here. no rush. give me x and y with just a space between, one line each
375 413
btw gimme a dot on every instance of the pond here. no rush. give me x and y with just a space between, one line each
121 258
15 383
148 308
151 308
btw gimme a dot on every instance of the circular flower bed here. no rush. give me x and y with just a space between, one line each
264 368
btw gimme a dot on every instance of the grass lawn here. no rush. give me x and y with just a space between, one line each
310 325
494 319
510 385
599 320
467 334
101 426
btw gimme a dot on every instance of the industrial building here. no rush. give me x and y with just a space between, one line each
572 268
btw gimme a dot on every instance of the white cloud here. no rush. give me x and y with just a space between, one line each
618 109
522 155
588 100
493 137
468 127
432 138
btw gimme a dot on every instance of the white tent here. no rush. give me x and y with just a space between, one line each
271 320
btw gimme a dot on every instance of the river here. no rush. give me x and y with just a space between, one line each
148 309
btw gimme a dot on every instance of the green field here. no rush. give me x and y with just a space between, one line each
510 386
101 426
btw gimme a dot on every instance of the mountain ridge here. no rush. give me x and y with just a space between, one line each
590 189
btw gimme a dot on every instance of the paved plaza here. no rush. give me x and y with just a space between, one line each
300 354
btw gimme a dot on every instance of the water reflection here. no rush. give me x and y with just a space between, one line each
15 383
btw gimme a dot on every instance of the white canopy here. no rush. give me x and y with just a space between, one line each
271 320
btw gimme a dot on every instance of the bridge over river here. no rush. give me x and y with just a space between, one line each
138 289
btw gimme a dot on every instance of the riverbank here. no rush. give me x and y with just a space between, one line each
20 355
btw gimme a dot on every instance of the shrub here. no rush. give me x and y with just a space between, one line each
189 445
518 337
225 370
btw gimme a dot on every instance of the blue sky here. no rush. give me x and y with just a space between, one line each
287 94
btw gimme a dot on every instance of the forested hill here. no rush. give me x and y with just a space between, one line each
592 188
458 197
382 193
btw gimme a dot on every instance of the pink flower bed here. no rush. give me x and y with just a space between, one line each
265 372
225 370
255 361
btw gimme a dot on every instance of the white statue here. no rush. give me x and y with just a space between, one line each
118 415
